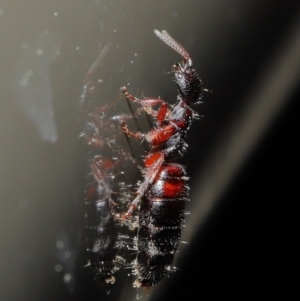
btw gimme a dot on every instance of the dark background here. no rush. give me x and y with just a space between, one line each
242 160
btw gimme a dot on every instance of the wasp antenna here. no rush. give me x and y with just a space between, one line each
165 37
92 70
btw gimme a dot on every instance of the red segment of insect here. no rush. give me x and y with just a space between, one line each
162 195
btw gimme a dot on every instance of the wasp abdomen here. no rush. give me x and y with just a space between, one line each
161 218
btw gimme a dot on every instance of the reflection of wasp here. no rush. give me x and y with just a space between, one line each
162 195
105 188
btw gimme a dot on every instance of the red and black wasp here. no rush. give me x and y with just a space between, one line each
159 203
162 195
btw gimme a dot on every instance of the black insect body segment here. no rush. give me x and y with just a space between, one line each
162 195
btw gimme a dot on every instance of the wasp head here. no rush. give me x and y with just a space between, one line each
188 82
